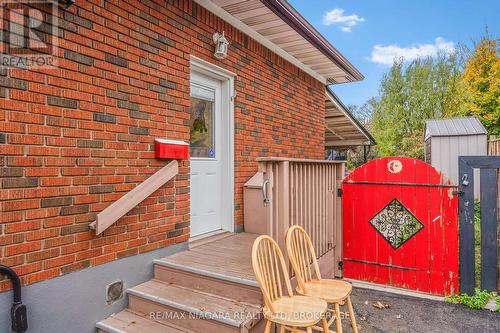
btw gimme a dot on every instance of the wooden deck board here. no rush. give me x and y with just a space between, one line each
128 322
196 302
230 255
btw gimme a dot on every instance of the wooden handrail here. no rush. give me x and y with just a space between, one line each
126 203
297 160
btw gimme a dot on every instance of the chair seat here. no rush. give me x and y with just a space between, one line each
298 311
332 291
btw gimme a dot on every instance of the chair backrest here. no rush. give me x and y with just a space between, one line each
302 255
270 270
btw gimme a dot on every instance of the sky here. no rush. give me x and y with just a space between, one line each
370 33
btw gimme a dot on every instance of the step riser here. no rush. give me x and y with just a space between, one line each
165 313
229 289
259 327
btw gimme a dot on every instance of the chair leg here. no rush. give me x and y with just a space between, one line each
351 314
268 327
338 322
326 329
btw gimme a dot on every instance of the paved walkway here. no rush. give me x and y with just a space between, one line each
410 314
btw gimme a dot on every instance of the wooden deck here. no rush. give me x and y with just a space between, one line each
226 258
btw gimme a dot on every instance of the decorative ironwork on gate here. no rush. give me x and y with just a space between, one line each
396 224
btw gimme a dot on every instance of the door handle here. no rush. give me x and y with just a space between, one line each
265 191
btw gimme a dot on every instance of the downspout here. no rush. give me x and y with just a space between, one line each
18 313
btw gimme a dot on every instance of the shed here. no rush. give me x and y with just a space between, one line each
446 139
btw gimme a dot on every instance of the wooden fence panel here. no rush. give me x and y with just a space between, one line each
494 146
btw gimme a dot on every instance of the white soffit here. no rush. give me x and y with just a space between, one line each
340 128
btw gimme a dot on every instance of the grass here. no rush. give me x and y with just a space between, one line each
477 240
476 301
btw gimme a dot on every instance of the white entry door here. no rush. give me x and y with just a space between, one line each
208 155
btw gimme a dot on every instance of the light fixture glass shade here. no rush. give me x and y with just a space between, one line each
221 45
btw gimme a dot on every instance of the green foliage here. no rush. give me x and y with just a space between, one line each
477 301
356 157
409 94
481 79
477 240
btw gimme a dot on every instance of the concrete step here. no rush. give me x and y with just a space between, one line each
222 284
193 309
127 321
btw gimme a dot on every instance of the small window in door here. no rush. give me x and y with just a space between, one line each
202 122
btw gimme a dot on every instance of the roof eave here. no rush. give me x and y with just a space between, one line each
351 116
288 14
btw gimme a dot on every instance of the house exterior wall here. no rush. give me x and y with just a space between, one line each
75 139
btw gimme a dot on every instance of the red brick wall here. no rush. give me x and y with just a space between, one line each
75 139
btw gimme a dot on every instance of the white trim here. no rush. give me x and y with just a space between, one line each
227 80
341 109
210 69
206 235
172 142
259 38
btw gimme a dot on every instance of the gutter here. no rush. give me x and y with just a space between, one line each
294 19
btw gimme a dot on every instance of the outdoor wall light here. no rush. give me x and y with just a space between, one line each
66 3
221 45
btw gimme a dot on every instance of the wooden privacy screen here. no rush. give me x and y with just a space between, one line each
400 226
304 192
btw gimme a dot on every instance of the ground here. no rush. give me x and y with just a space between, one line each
410 314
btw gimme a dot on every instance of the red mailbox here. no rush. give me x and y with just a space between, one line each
172 149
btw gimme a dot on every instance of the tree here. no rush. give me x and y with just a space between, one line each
411 93
364 112
357 156
481 79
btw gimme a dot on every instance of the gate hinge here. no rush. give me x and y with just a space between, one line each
457 192
340 265
339 192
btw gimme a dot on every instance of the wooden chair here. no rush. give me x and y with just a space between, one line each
291 313
336 292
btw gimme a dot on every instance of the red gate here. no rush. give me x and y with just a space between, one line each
400 226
